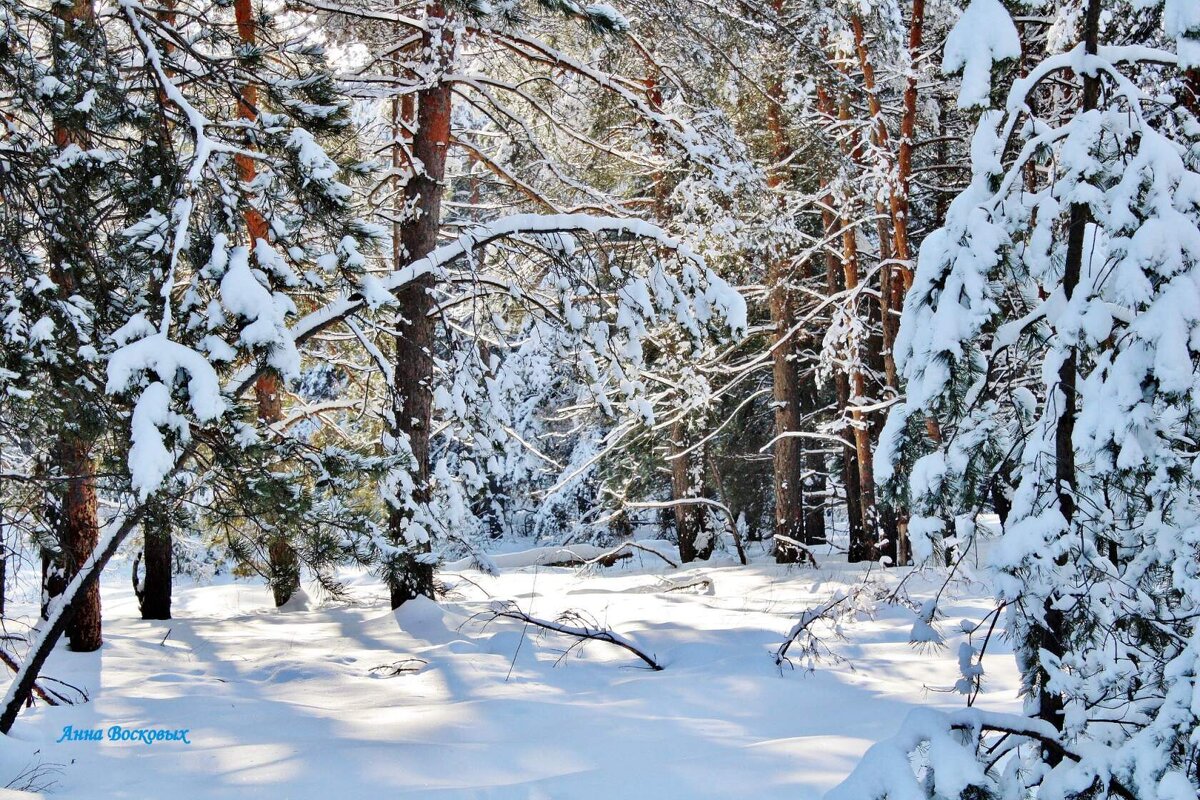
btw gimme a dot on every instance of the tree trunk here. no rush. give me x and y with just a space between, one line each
413 387
44 641
895 271
79 531
788 450
814 494
860 431
859 548
78 521
687 471
1054 635
691 519
54 580
908 135
283 566
155 599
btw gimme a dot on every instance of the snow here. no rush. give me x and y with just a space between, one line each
1181 20
286 703
984 34
1130 330
243 292
612 19
150 461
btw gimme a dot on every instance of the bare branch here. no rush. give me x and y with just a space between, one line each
584 632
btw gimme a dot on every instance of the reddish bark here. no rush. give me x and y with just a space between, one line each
77 521
154 598
413 385
79 531
788 450
283 565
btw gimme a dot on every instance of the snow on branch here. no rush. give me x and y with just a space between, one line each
984 35
801 634
942 754
606 559
378 291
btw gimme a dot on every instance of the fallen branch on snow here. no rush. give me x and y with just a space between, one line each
577 555
788 541
405 666
703 586
49 696
583 632
801 632
618 553
574 556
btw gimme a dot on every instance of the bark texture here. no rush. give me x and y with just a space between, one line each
155 598
413 387
283 566
696 540
77 523
1054 635
79 531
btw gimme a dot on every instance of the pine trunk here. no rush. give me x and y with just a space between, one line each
695 541
833 284
865 547
155 599
788 450
79 532
413 386
78 525
690 518
1055 634
283 566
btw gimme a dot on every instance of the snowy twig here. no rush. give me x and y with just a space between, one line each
405 666
730 522
611 557
705 585
801 629
581 632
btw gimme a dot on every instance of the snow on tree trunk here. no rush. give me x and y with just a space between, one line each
414 341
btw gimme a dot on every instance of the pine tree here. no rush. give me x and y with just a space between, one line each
1050 335
127 302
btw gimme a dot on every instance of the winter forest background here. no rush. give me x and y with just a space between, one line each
500 398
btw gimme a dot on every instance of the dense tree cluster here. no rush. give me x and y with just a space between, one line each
289 286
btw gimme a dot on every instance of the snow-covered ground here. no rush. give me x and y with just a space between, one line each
286 705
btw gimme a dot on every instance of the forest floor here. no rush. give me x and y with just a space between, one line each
286 704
